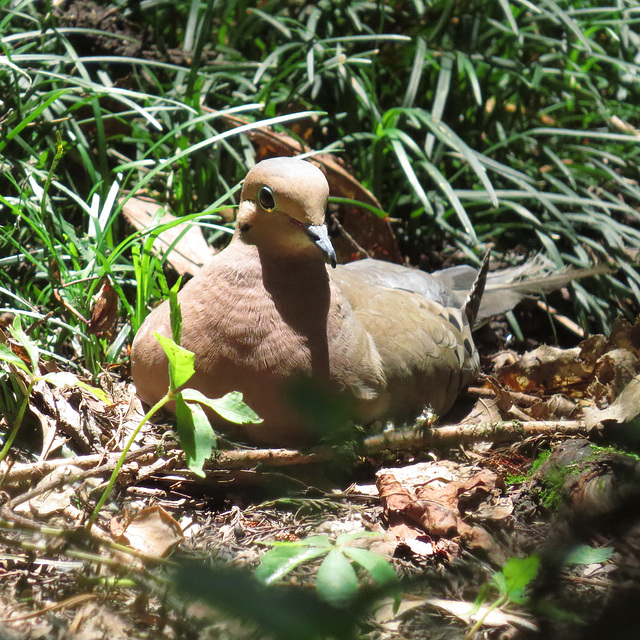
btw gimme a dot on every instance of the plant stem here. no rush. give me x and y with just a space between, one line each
480 621
112 480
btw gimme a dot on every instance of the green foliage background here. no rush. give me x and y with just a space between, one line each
484 123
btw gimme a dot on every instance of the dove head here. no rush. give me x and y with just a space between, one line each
282 206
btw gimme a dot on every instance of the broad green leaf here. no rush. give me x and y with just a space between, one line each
24 341
278 562
318 541
584 554
196 436
180 361
516 575
8 356
336 582
231 406
380 568
68 379
279 612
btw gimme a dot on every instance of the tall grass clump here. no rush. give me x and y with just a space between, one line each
502 124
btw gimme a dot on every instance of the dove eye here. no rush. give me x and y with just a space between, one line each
266 199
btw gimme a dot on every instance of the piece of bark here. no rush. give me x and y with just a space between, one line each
189 249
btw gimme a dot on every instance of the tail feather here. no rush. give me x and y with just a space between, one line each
505 288
472 303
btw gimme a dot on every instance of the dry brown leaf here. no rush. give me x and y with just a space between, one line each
626 336
393 496
388 611
550 384
434 517
104 309
152 531
469 612
546 369
55 501
625 408
428 503
188 254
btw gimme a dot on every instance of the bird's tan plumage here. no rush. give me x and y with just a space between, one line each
268 310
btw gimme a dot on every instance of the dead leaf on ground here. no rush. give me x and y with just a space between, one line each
469 612
152 531
57 496
624 409
437 502
595 380
189 248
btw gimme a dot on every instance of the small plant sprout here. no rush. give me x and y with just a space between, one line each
337 581
511 582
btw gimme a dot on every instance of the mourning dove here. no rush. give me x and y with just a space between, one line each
268 311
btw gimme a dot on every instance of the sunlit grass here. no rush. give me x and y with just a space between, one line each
508 125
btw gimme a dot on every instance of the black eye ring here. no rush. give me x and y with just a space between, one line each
266 199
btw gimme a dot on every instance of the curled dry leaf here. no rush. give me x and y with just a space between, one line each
438 500
96 622
624 409
469 612
104 309
595 380
152 531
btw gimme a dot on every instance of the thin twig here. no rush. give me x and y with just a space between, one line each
65 604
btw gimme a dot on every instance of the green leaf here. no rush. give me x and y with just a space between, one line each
68 379
196 436
8 356
180 361
175 312
416 73
231 406
317 541
380 568
500 582
279 561
336 582
346 538
24 341
516 575
284 612
584 554
407 167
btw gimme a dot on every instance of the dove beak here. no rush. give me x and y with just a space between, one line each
320 237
